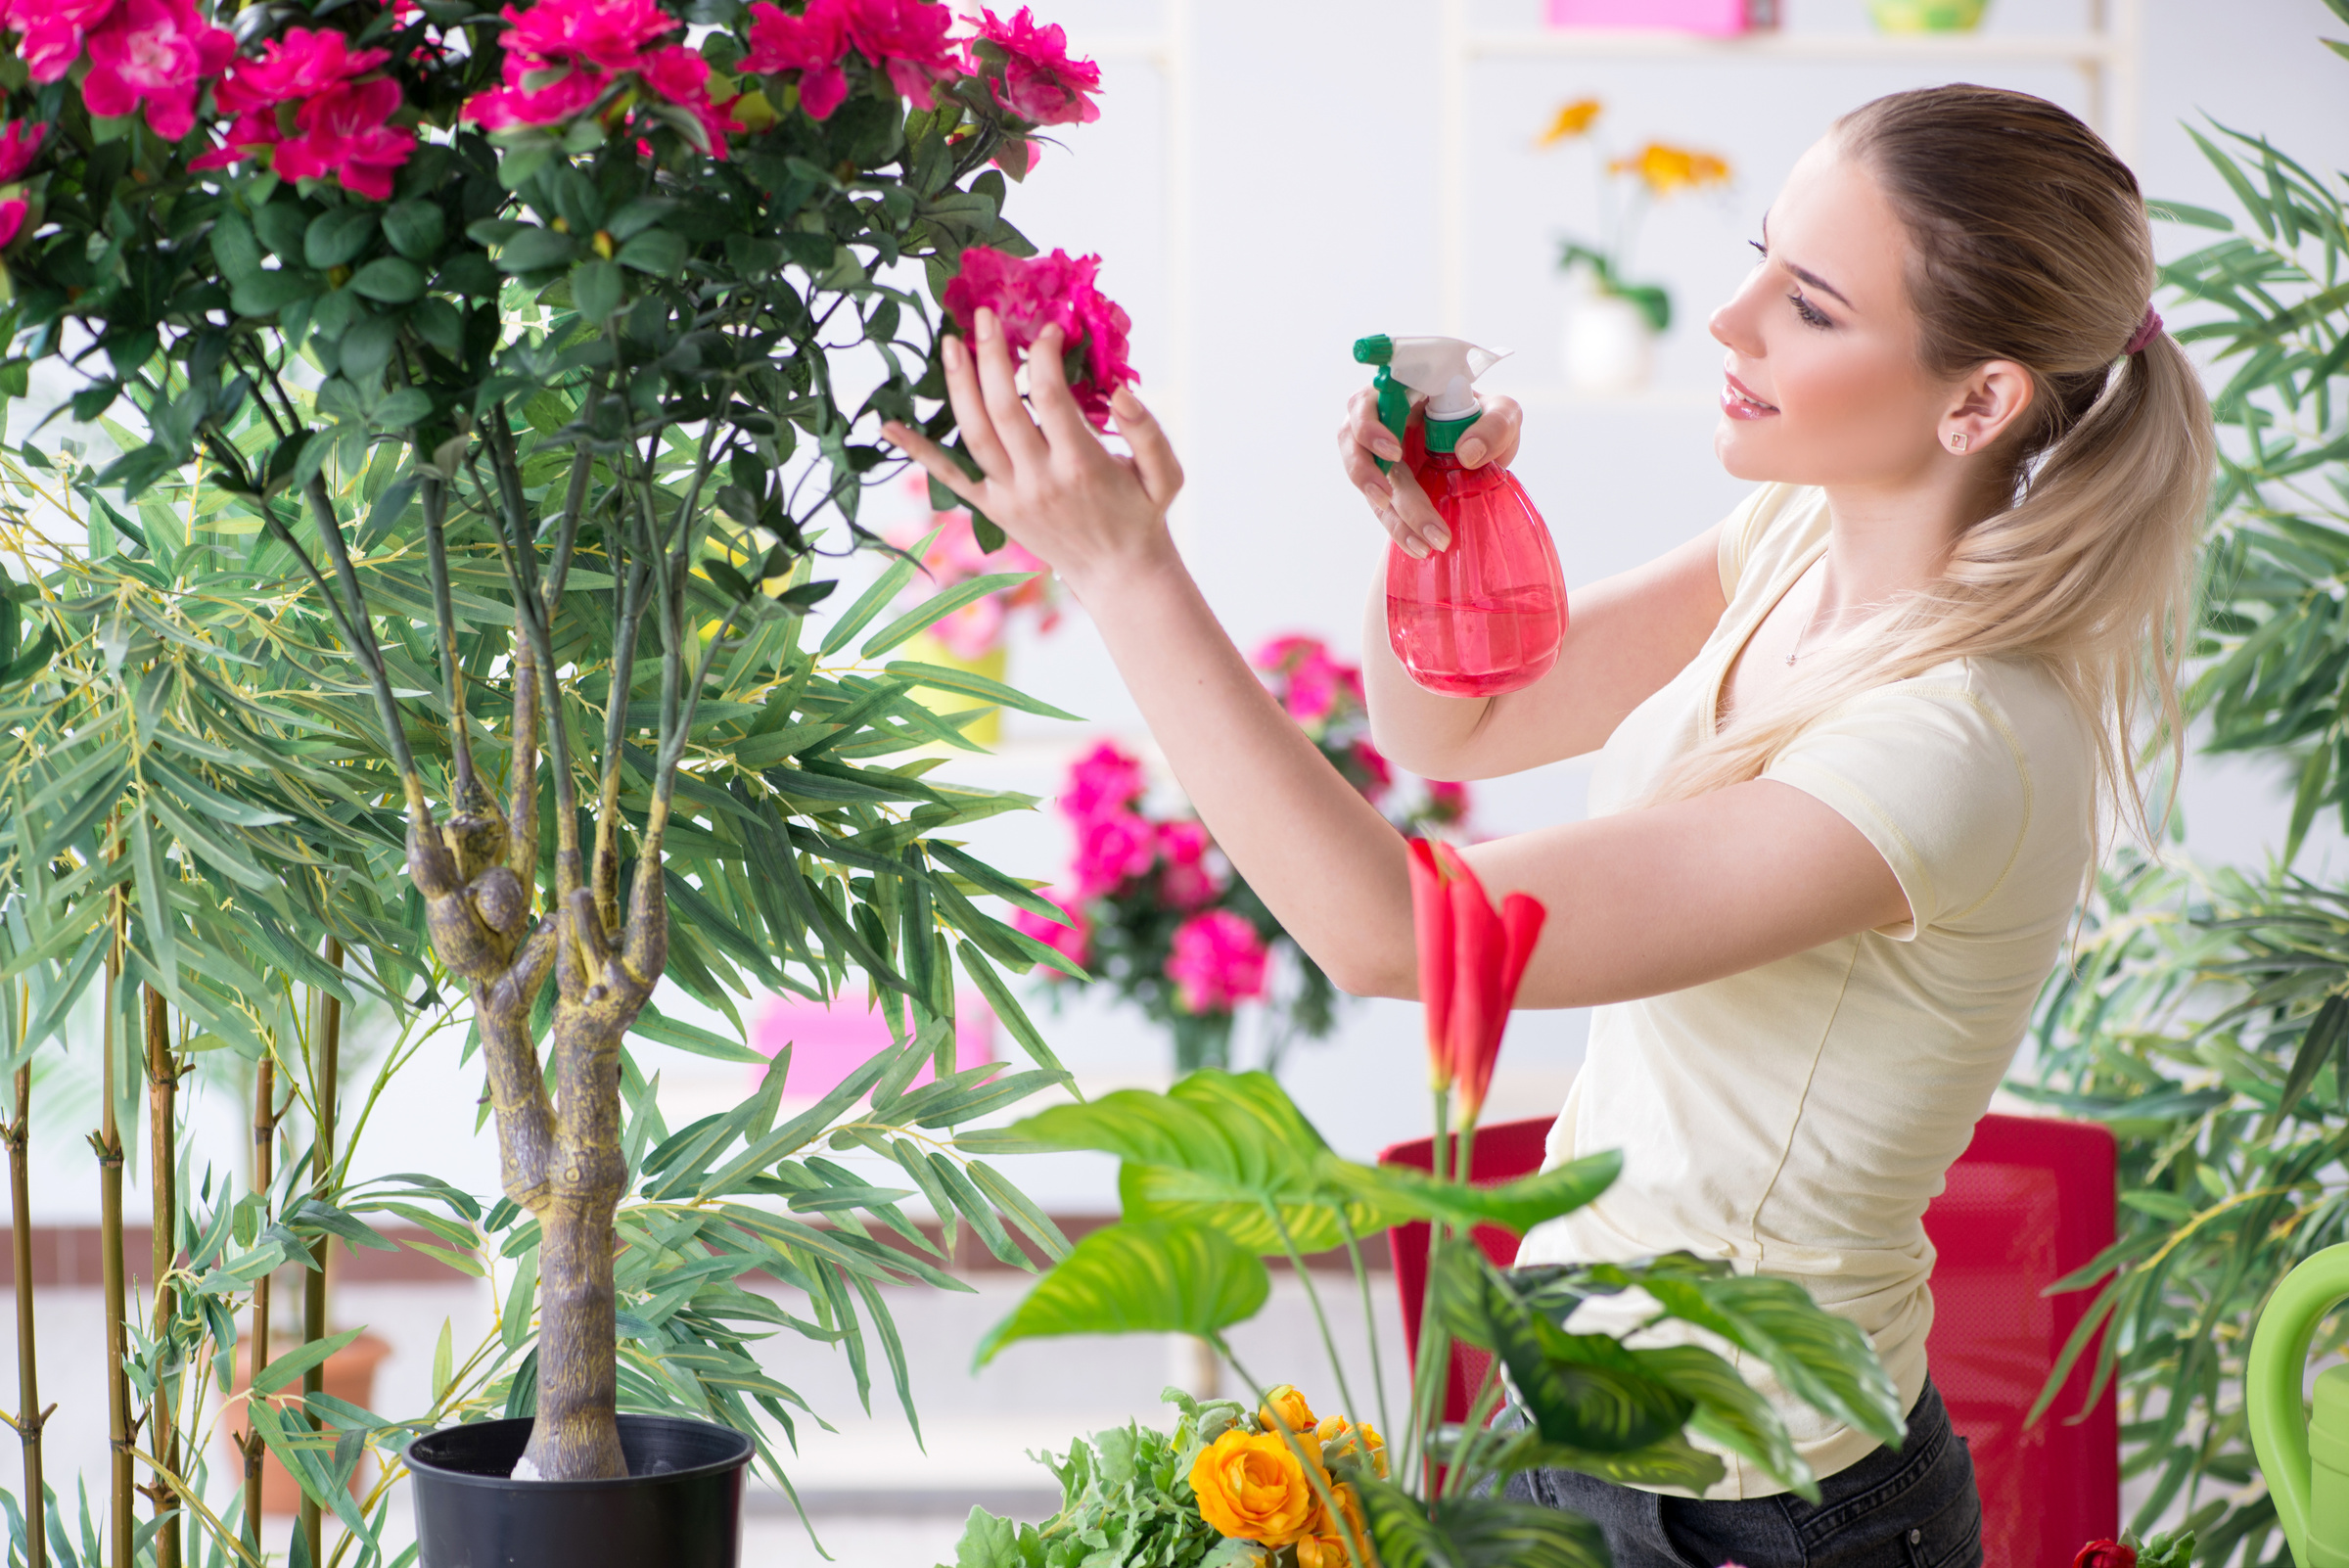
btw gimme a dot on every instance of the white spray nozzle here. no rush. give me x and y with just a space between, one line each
1445 369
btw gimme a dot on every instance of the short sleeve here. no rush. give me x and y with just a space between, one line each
1741 530
1931 773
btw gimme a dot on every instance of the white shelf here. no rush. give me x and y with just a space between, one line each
2095 49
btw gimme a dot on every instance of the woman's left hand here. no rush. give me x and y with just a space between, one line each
1047 479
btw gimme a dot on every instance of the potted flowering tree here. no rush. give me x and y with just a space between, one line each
509 334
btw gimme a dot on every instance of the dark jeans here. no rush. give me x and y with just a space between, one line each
1916 1509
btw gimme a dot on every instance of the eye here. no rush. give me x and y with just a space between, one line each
1760 250
1810 313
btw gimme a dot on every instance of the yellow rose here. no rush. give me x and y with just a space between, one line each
1666 169
1343 1542
1571 121
1285 1402
1251 1486
1342 1441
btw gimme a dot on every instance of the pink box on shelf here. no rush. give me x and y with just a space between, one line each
1715 19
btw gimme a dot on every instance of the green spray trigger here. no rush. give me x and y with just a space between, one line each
1442 368
1394 397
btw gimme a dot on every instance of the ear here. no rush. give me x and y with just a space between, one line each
1986 405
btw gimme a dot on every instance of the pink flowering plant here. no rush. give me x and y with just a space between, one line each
493 349
999 587
1152 912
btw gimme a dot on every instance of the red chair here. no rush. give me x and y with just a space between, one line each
2028 1202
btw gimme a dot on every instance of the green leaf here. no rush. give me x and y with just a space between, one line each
337 236
264 293
655 251
1515 1205
537 249
885 588
2201 218
415 228
155 908
1138 1278
1822 1359
940 606
1477 1532
1672 1463
1731 1412
597 289
963 684
391 279
291 1365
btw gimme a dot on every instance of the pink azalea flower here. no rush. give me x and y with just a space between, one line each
1112 849
609 34
972 631
1217 961
1446 803
246 136
345 132
811 45
303 61
1187 881
153 53
1104 780
1309 682
55 32
563 99
1377 775
1055 290
1072 937
908 40
19 145
1038 80
681 76
11 219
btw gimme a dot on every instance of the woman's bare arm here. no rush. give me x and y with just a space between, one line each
1639 903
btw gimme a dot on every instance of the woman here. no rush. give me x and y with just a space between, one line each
1853 741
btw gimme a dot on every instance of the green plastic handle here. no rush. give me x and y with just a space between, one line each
2304 1457
1394 409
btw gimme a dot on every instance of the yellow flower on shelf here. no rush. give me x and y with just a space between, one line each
1571 120
1342 1441
1283 1400
1665 170
1251 1486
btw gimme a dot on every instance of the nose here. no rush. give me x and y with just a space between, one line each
1737 324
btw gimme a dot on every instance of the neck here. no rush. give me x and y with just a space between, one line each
1886 540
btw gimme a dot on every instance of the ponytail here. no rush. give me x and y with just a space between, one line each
2033 247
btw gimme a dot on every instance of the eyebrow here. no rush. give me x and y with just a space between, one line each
1812 278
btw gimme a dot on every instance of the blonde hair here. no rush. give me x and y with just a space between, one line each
2031 245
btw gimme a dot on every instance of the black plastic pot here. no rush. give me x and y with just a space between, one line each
680 1507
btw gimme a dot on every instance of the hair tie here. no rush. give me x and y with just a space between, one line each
2146 331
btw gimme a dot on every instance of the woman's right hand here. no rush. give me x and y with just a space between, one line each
1402 508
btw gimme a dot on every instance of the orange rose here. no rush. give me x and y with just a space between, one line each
1252 1488
1284 1400
1571 120
1343 1542
1342 1442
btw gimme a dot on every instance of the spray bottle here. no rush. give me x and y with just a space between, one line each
1485 614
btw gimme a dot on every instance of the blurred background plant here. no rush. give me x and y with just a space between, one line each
2206 1018
1158 917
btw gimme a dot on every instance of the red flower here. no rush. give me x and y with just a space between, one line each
1377 777
19 145
608 34
1112 849
1036 79
564 98
1446 803
1103 781
345 132
903 40
55 32
2105 1555
11 219
1187 881
156 53
1055 290
812 45
1471 957
1072 936
1217 961
305 62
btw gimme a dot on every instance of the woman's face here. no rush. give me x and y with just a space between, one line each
1821 382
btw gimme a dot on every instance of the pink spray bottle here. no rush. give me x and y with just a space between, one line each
1487 613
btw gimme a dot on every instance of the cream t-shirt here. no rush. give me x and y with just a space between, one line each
1796 1119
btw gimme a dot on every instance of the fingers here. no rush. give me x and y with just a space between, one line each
979 436
1396 499
1364 433
1064 423
998 383
935 460
1410 518
1154 457
1493 438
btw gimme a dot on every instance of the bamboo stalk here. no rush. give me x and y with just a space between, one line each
31 1417
257 1351
163 1177
325 1066
121 1436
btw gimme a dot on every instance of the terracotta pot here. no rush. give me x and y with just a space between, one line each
350 1375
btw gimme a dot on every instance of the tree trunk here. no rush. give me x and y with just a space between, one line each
31 1417
257 1352
325 1072
576 1435
162 1158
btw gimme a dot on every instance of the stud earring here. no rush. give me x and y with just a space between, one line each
1957 442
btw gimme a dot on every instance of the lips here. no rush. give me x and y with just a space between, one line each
1737 401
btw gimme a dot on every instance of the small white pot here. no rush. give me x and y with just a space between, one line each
1608 348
